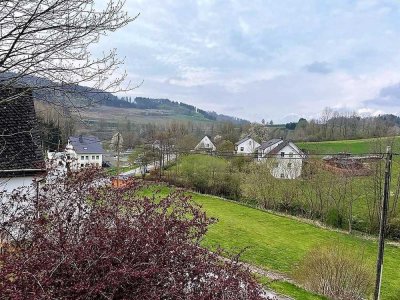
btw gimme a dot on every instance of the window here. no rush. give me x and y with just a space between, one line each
82 165
241 148
87 157
282 175
291 154
92 156
289 165
282 154
82 157
97 157
208 145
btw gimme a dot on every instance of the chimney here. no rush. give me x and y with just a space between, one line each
81 139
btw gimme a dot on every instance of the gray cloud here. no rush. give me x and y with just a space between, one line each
262 61
319 67
388 96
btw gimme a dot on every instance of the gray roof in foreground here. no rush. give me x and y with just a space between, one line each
20 142
86 144
265 145
242 140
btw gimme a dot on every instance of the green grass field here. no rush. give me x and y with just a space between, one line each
353 146
279 243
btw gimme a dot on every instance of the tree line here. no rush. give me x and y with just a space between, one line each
334 125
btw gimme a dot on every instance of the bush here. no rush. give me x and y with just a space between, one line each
86 240
334 218
394 229
209 174
335 272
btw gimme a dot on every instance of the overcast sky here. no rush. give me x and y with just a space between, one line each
277 59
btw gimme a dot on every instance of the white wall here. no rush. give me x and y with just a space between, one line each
89 158
247 147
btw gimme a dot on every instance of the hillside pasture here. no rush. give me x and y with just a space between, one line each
361 146
278 243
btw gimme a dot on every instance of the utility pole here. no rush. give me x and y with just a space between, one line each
161 158
118 152
116 143
383 222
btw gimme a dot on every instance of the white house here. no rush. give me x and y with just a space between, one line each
21 158
88 149
246 145
284 157
205 145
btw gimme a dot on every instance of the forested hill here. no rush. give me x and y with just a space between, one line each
166 104
49 91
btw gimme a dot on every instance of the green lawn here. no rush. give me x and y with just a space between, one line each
278 243
352 146
293 291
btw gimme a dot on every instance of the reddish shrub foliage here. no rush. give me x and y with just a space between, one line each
82 239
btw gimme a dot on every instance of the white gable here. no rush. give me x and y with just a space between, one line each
205 144
247 146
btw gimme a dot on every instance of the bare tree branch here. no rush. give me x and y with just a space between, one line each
46 44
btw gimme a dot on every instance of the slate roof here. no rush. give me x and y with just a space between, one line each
242 140
86 144
278 148
265 145
20 142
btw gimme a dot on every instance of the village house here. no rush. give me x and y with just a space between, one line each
246 145
88 149
285 157
205 144
21 159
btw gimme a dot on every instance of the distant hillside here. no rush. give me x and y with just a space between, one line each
78 95
178 108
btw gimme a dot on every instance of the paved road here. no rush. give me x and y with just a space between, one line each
138 171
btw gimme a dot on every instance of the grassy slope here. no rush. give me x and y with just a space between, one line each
139 116
352 146
279 243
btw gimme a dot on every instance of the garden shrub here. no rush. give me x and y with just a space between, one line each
336 272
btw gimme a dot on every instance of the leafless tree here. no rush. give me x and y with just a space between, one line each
46 44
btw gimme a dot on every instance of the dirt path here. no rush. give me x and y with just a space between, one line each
270 275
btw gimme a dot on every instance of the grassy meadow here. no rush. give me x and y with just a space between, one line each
361 146
278 243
